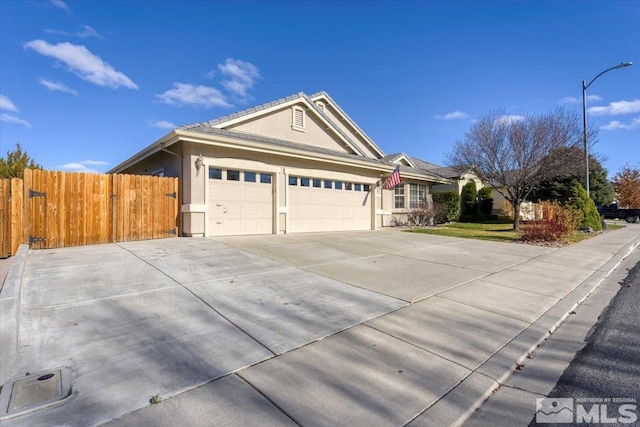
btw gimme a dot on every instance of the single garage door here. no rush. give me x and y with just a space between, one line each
240 202
328 205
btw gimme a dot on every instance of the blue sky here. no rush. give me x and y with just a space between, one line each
86 84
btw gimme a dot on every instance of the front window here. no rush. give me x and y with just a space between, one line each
417 195
398 196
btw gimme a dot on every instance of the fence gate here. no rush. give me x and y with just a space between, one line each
61 209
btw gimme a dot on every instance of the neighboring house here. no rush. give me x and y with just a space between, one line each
297 164
459 178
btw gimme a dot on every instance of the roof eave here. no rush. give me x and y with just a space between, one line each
162 143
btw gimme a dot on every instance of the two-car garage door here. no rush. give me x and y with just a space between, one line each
241 202
328 205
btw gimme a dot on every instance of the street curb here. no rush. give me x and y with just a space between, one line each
502 364
9 315
582 292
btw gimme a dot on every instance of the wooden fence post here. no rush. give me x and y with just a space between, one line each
17 213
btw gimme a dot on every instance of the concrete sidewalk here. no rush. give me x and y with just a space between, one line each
376 328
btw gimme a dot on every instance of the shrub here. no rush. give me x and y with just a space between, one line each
468 203
557 222
427 214
485 201
450 202
584 205
507 210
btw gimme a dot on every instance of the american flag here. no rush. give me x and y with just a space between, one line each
394 179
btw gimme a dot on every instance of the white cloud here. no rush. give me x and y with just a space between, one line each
83 166
162 124
6 104
10 118
452 115
94 162
615 125
86 32
508 119
574 100
241 76
56 86
83 63
60 5
196 95
617 108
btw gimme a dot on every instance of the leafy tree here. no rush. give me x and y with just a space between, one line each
559 188
627 186
468 199
512 153
15 163
485 201
450 202
588 215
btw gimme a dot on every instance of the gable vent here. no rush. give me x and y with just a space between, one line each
298 119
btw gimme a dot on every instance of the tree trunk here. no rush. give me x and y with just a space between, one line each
516 216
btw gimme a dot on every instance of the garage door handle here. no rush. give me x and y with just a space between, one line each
218 205
218 222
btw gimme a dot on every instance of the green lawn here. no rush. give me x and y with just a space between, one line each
497 232
501 232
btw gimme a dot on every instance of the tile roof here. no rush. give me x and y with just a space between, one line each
299 95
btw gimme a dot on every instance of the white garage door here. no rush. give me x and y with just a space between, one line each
240 202
327 205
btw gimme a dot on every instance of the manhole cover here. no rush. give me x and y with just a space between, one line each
33 392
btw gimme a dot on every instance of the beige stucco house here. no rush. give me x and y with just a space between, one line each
297 164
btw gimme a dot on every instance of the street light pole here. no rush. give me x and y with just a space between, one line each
584 120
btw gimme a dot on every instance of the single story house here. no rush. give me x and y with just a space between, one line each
297 164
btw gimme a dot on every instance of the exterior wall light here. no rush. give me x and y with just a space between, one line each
199 163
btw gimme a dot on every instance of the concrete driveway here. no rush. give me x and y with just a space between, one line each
407 318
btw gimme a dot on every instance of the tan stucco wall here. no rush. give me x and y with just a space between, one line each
278 125
498 201
457 185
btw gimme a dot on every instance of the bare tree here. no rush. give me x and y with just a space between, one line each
514 153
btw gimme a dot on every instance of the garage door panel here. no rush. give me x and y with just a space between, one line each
240 207
328 209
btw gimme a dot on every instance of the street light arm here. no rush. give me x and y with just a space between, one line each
620 65
584 121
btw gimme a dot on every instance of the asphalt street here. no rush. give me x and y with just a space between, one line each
608 366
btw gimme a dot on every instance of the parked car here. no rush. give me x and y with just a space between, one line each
614 212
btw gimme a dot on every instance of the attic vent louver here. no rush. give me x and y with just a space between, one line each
298 119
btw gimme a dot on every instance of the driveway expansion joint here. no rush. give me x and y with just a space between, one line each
202 300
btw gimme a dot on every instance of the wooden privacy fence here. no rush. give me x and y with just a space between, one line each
59 209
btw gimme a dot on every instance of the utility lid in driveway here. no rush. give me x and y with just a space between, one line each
33 392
